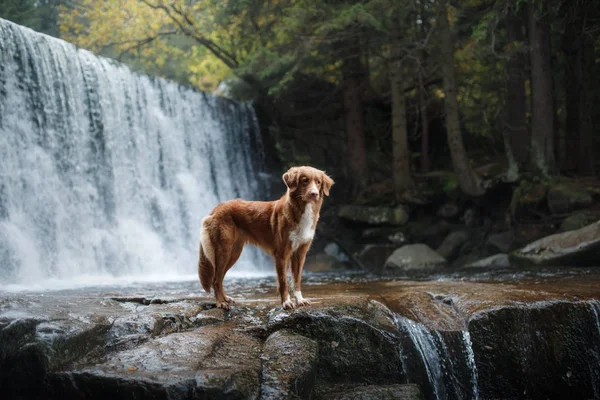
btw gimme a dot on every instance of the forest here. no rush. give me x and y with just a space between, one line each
378 92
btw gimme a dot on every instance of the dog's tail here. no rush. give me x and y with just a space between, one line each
206 261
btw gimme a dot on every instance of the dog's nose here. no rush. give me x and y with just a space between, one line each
314 194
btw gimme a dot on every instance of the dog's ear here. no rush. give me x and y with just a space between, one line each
327 183
291 179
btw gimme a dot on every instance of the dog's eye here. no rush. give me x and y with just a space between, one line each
305 180
319 183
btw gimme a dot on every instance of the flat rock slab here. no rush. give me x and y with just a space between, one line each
452 338
573 248
374 392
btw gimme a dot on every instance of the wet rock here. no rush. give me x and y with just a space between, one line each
450 247
576 221
414 258
501 242
574 248
564 198
374 392
495 261
322 262
207 362
373 256
351 340
373 215
30 348
536 351
469 258
454 338
289 366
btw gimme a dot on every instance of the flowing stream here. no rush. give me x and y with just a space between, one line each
105 174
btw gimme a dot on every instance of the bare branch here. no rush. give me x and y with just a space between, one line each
187 27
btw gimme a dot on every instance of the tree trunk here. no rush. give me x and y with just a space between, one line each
542 118
352 71
572 50
517 138
425 164
585 161
467 178
424 28
401 155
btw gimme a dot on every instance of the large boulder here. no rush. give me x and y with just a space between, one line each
415 258
283 377
353 341
450 247
564 198
574 248
577 221
373 215
495 261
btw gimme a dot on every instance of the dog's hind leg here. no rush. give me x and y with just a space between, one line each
236 251
226 255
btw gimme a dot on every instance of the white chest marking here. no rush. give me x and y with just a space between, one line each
304 232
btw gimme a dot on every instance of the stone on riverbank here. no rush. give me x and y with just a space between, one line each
573 248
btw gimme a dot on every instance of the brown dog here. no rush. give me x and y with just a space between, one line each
284 229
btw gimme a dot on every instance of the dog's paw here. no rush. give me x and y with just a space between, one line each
288 305
229 300
302 302
224 305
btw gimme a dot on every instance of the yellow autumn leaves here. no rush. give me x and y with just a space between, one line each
148 37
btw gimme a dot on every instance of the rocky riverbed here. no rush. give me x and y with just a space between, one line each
504 334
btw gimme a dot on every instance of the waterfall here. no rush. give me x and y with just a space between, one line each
466 336
426 348
108 173
447 368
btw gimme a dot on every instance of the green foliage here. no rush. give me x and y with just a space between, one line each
22 12
40 15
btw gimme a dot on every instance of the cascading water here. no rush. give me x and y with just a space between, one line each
447 366
108 173
425 346
466 336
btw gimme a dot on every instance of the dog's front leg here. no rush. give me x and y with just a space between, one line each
281 267
297 264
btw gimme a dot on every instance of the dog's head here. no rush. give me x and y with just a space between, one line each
307 183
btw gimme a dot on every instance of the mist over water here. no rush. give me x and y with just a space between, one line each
106 174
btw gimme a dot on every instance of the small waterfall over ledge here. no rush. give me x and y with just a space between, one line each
108 173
